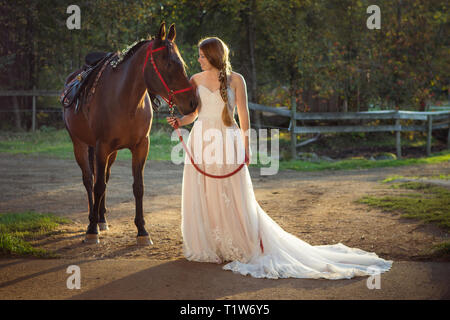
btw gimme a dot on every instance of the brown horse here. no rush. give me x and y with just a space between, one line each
119 116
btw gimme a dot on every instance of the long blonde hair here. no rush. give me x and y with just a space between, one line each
216 52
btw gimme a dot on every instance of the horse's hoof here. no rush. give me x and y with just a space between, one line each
144 241
103 226
91 238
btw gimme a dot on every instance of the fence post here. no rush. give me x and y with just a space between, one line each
448 134
398 143
293 125
34 111
429 131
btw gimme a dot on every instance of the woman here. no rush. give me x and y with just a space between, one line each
221 219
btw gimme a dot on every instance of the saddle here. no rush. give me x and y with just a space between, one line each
80 84
93 58
79 81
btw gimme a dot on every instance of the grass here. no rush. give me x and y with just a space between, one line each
350 164
56 143
397 177
428 203
53 142
17 229
441 249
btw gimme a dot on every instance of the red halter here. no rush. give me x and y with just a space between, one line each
170 92
170 103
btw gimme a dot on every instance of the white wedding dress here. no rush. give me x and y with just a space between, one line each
223 222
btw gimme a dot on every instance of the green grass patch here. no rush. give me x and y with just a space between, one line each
56 143
428 203
436 177
17 229
441 249
350 164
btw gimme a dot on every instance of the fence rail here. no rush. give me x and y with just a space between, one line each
30 93
434 120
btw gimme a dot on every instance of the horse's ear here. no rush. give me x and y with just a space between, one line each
172 33
162 31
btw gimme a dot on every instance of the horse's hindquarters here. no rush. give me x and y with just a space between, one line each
78 126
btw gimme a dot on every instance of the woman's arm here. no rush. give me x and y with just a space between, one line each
176 122
243 113
188 119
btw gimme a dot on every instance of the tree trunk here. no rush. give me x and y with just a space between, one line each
15 102
16 110
345 107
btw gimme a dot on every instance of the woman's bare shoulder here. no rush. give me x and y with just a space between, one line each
197 76
237 79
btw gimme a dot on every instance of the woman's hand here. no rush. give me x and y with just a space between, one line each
173 121
247 157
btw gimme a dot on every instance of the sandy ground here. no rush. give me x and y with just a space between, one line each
318 207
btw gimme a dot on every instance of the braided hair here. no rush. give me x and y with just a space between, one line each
216 51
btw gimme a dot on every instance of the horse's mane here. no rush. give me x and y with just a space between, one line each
128 51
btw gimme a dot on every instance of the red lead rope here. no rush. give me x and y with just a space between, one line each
170 103
200 170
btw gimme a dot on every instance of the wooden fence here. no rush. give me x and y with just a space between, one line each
433 120
34 94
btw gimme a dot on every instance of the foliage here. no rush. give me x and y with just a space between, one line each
320 46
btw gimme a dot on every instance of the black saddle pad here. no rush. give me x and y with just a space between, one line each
92 58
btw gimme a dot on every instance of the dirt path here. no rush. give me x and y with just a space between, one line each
318 207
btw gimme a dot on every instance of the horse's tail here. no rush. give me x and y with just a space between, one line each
91 155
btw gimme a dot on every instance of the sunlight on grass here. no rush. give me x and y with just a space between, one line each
57 143
441 249
350 164
16 229
436 177
429 203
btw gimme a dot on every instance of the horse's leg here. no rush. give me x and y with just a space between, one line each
102 153
102 224
80 150
140 152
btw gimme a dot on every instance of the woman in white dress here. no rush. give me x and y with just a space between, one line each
221 219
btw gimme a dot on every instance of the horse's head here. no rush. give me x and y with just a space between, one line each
169 73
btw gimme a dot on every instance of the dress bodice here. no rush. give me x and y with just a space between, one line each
212 103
